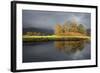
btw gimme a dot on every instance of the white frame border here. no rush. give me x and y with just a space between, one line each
37 65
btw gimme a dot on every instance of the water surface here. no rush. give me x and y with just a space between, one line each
56 51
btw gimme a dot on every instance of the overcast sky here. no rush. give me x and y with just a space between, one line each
48 19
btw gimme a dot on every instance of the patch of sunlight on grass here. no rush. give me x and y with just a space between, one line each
54 36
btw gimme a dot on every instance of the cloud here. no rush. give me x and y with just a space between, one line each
48 19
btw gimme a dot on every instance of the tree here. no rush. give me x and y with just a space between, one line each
58 29
81 29
73 27
65 27
88 31
28 33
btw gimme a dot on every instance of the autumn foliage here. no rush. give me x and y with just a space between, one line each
72 29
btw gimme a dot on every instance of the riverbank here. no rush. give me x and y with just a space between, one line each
54 38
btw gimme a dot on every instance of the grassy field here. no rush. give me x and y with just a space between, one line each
54 38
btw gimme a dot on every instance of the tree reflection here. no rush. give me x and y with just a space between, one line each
70 46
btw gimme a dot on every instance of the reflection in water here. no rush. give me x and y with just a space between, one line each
56 51
69 46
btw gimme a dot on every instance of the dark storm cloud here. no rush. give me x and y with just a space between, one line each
48 19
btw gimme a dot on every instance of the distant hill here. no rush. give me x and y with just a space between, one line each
32 29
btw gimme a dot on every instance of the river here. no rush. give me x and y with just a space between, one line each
56 51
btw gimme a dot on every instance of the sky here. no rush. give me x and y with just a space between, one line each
48 19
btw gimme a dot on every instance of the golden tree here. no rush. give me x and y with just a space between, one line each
73 25
58 29
65 27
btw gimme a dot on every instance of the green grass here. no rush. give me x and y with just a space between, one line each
54 38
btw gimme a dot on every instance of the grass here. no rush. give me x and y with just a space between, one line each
53 37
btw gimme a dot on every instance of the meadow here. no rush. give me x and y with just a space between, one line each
28 38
